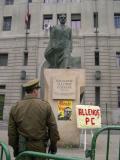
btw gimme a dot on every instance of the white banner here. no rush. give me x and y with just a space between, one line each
88 116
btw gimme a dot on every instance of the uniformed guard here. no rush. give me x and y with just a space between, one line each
32 123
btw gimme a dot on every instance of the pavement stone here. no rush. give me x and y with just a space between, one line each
79 152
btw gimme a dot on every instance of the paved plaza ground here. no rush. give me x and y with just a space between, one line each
79 152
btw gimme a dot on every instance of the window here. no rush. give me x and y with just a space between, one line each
2 86
2 100
97 96
46 1
118 58
3 59
117 20
96 58
25 62
76 1
30 1
8 2
63 1
95 19
7 23
118 97
60 1
47 21
50 1
75 21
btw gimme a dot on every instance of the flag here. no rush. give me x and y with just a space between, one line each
27 17
27 20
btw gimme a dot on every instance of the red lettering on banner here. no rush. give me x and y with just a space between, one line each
80 111
89 112
92 121
87 120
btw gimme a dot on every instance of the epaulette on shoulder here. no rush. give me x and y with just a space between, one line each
44 101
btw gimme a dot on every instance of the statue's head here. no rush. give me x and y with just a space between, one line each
62 18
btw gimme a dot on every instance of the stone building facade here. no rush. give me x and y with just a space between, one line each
96 38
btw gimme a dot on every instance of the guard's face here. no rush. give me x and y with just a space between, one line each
62 19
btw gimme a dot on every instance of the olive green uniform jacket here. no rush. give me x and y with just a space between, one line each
32 118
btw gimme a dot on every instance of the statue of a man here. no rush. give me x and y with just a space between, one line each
58 52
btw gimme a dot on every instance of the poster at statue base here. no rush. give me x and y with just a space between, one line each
64 109
88 116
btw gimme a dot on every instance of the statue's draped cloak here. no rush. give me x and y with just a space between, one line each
59 47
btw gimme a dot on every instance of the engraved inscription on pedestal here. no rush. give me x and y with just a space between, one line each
64 87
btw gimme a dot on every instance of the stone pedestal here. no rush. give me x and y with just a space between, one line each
65 86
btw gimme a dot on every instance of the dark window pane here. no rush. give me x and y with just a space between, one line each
50 1
95 17
59 1
75 1
7 2
97 96
75 21
2 86
2 100
25 63
118 59
47 21
117 20
7 23
118 97
3 59
96 58
30 1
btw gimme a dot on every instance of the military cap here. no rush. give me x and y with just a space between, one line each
31 84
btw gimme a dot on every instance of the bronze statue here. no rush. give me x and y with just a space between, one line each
58 52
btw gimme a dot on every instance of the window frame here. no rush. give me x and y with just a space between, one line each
7 23
9 2
48 18
29 1
97 58
2 86
4 60
76 17
118 92
95 20
118 59
2 106
25 59
117 20
97 95
49 1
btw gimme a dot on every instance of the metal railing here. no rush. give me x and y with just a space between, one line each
4 150
44 155
91 153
